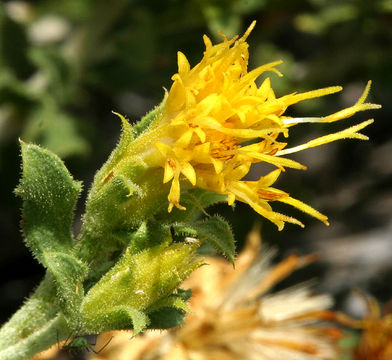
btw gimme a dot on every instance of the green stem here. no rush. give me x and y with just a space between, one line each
54 330
34 327
35 313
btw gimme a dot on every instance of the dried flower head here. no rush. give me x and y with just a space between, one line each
234 317
376 340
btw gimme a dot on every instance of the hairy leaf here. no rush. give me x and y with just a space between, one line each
216 231
49 196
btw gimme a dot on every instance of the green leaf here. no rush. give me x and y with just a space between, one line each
148 235
69 274
50 194
127 135
170 301
184 294
116 318
170 312
139 319
216 231
166 318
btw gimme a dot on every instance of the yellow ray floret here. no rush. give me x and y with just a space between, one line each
215 107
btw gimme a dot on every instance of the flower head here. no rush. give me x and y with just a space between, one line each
217 122
376 340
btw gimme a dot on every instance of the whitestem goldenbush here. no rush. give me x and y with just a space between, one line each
124 268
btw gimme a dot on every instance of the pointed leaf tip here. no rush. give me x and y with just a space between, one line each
216 231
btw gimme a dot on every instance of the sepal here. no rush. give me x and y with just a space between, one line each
127 136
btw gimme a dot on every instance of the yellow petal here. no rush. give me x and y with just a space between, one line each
203 151
174 195
200 133
238 172
218 165
345 113
365 93
264 90
207 42
305 208
254 74
185 139
350 133
230 198
189 172
295 98
169 171
211 123
249 30
183 64
162 148
269 179
275 160
177 97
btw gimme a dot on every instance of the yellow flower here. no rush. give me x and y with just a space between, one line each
217 122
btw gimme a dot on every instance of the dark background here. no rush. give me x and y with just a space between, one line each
65 65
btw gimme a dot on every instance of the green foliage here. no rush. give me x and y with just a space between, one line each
106 171
147 235
125 270
215 231
139 283
50 194
165 318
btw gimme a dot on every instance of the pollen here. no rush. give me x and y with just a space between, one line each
171 163
269 195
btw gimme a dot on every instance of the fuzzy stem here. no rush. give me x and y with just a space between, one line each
37 341
34 314
34 327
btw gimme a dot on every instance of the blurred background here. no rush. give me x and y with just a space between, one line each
66 64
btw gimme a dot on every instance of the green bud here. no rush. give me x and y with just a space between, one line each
137 285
